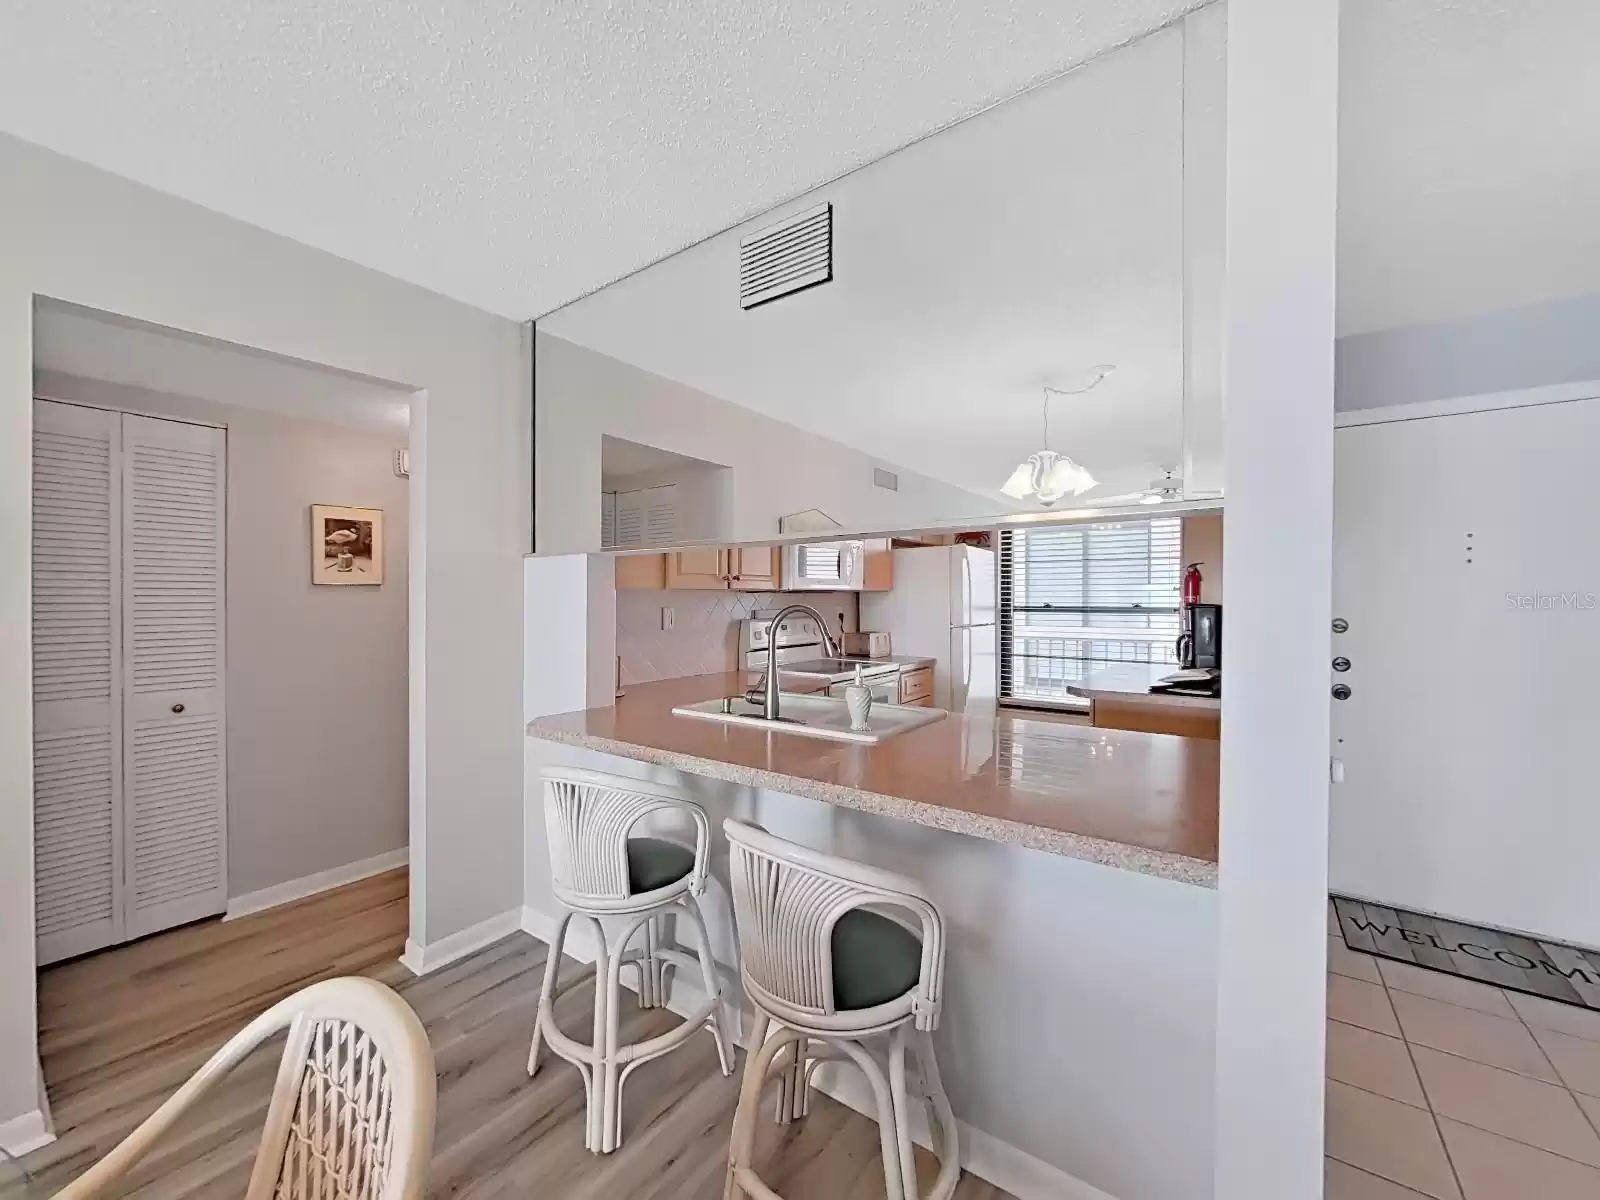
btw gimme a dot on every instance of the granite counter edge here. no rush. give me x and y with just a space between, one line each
1177 868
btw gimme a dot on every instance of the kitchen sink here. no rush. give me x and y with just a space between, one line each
814 716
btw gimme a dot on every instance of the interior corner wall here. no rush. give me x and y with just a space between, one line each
316 676
78 234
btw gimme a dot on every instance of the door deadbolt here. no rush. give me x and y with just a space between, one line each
177 708
1341 663
1340 625
1341 691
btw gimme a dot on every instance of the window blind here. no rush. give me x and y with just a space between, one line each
1073 596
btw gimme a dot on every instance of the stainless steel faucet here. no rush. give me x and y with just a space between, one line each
769 683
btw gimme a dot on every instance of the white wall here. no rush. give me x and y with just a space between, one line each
1278 355
316 676
1537 345
78 234
777 468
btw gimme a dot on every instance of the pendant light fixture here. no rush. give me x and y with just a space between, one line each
1047 475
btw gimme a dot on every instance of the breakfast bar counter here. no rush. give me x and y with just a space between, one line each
1141 802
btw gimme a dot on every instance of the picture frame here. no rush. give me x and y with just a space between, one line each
346 546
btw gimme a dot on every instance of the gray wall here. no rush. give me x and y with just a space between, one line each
1532 346
316 676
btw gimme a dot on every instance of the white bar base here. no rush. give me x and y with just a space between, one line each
1000 1163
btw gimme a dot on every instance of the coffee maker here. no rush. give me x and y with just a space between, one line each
1200 644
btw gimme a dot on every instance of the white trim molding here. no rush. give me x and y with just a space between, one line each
1000 1163
424 960
1555 393
310 885
27 1132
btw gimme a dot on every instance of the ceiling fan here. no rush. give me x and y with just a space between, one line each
1161 491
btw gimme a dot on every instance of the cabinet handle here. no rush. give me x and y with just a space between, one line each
177 708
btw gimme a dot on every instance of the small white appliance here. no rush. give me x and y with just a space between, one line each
943 607
824 566
866 644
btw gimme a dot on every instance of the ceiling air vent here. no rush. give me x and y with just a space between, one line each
885 479
794 254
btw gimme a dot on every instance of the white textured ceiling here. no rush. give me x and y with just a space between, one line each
516 156
92 345
1469 157
510 154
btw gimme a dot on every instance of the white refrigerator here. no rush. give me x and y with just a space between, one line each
942 606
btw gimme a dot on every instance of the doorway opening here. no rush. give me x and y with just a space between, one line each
220 639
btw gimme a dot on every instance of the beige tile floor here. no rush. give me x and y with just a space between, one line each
1446 1088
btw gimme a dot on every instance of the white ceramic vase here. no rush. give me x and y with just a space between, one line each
858 699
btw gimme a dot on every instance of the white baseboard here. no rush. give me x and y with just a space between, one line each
27 1132
982 1154
310 885
423 960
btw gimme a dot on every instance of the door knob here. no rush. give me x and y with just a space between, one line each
1341 691
1341 663
177 708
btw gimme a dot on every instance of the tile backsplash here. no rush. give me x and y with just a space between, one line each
705 634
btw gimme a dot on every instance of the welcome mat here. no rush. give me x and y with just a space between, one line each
1550 969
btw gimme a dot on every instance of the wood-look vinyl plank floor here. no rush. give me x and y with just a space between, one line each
121 1030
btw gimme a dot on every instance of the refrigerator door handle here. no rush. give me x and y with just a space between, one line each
966 588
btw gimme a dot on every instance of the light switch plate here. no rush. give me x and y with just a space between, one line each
669 619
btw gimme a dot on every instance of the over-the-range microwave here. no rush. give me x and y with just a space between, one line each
824 567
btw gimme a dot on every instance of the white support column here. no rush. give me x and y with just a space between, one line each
1282 108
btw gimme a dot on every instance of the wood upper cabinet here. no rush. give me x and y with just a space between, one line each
735 569
878 574
646 571
754 568
698 570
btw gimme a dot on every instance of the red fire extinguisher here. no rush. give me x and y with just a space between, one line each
1191 584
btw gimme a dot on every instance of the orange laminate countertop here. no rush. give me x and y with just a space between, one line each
1143 802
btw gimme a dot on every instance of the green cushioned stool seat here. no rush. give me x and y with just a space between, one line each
874 960
654 862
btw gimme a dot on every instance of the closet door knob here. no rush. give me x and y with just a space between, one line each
177 708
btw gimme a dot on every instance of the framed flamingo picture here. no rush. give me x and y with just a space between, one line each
346 545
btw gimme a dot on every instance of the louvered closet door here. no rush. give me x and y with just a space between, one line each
77 710
174 825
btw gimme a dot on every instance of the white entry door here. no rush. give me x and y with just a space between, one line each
129 771
1467 565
